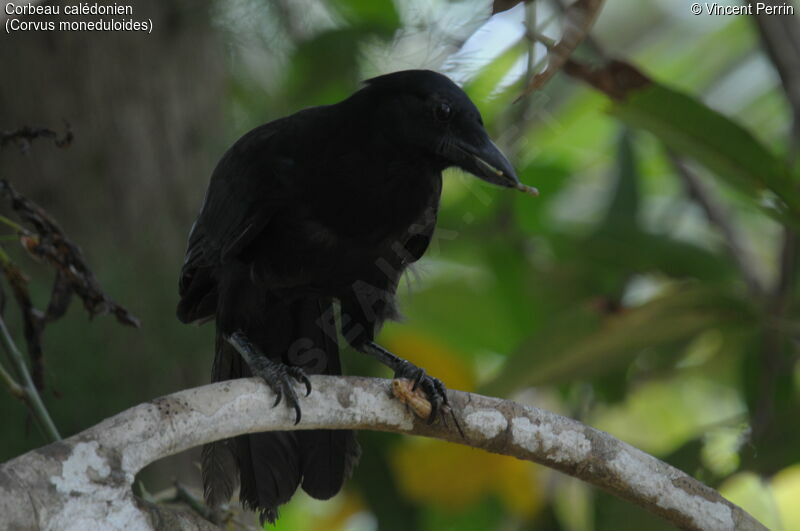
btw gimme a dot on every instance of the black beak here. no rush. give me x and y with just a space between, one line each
485 161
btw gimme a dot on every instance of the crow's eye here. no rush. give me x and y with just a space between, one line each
442 111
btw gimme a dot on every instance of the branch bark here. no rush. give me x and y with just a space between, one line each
84 482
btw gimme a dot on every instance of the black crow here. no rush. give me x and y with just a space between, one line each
327 205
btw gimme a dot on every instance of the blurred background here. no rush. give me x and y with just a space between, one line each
650 291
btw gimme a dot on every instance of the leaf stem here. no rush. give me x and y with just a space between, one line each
13 224
29 392
13 387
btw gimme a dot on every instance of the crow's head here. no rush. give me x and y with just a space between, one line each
433 114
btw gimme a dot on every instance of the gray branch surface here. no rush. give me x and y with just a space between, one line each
84 482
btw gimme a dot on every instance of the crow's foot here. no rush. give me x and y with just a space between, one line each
433 388
278 376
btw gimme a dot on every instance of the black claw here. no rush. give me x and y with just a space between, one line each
441 390
298 414
300 376
278 395
291 398
418 378
279 377
435 401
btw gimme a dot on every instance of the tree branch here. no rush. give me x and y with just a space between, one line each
87 478
780 36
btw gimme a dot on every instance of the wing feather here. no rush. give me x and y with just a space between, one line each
240 201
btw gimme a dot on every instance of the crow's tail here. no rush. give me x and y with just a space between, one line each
272 465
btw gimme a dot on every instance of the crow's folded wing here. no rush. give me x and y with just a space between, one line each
241 197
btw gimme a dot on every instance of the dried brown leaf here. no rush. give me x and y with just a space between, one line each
33 320
23 137
616 78
60 297
50 245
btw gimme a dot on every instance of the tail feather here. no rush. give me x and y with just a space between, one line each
327 459
270 466
219 463
327 456
272 474
220 472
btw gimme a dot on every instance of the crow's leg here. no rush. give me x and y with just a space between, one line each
276 374
433 387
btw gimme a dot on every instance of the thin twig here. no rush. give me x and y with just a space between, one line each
780 35
182 494
14 388
14 225
31 395
45 241
578 20
588 42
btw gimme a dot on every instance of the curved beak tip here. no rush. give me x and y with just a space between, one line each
506 174
487 162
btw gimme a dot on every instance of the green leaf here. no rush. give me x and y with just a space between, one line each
691 128
623 209
585 342
513 284
550 178
331 60
635 251
464 312
379 16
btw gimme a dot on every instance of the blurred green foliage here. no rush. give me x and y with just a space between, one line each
611 298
